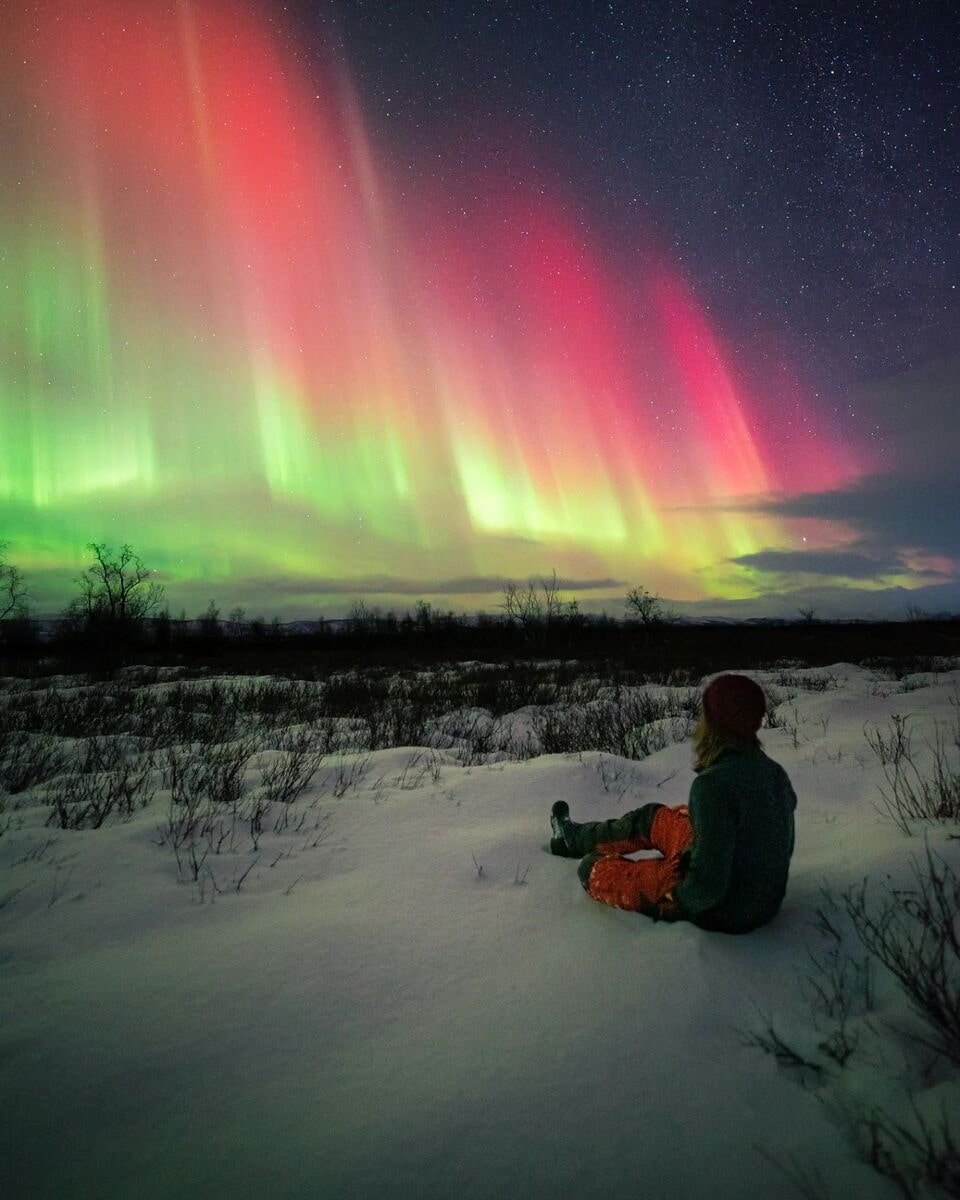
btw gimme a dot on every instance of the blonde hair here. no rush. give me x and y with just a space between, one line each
708 745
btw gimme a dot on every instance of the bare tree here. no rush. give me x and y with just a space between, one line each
116 589
425 616
13 590
209 621
538 606
524 607
809 614
646 606
362 618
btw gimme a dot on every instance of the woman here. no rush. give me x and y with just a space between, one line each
725 855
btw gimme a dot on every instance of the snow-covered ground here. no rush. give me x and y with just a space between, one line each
399 993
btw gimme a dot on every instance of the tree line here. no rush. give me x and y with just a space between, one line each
118 596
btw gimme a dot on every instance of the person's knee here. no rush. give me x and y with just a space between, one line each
672 832
646 815
584 869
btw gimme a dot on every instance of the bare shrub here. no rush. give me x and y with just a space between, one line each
471 734
170 726
807 683
772 719
838 987
322 736
223 771
254 814
917 1155
768 1039
893 745
910 795
421 764
86 801
347 776
629 724
207 789
96 754
284 701
915 934
80 712
189 812
211 813
209 715
27 760
6 821
285 778
519 748
317 831
611 773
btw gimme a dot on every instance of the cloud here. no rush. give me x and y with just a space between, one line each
832 602
844 564
891 513
913 505
391 585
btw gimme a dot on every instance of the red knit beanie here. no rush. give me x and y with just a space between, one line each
734 706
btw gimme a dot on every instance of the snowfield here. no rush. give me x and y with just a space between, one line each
385 987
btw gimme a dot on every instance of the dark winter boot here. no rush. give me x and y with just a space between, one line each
563 829
619 835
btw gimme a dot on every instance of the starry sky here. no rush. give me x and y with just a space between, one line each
318 301
799 160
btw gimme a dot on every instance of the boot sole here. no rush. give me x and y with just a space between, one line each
559 847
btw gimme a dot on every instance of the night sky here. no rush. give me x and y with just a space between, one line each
800 160
653 292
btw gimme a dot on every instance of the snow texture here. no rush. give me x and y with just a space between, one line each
408 997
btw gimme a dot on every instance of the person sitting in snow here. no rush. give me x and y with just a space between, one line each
725 855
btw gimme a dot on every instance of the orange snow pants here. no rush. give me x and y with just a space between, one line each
639 886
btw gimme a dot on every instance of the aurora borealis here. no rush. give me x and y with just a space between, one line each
233 337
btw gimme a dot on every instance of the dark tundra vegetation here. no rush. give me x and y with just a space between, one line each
119 617
624 650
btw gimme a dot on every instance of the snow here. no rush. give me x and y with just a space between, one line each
409 997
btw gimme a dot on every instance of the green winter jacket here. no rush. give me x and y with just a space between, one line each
741 809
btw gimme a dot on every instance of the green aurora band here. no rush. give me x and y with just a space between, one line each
227 341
